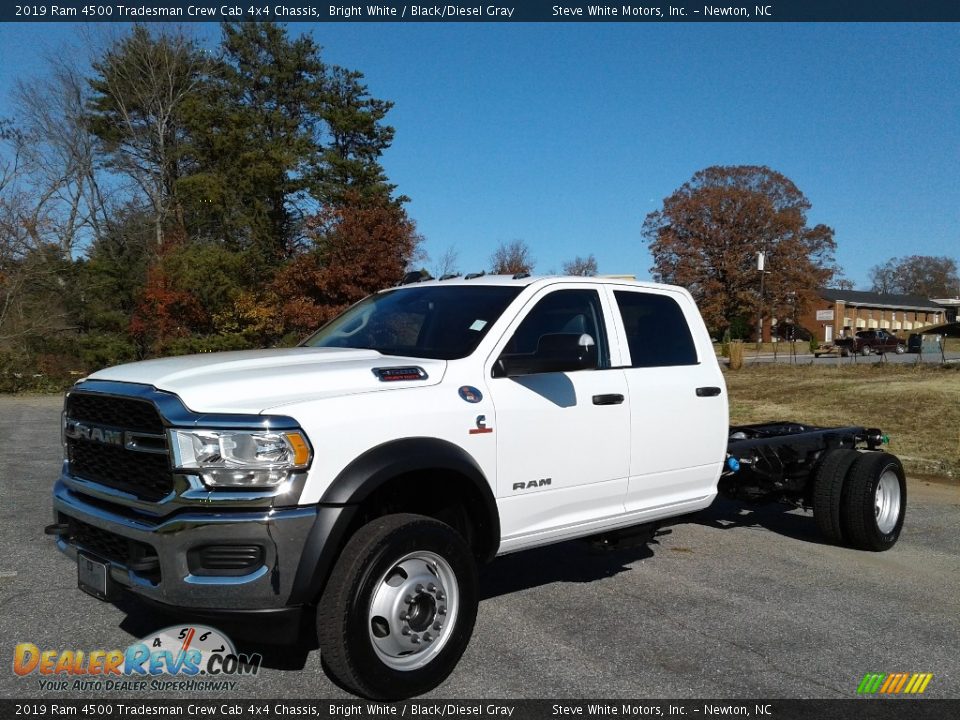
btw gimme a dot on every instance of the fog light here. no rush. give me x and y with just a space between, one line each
226 560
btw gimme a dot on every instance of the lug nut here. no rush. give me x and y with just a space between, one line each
419 588
408 599
441 611
415 639
405 631
427 637
437 626
440 596
431 587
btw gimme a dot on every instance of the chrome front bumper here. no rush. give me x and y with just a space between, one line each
281 532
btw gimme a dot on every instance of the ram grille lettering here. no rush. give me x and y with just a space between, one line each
83 431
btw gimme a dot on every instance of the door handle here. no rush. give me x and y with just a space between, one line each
708 391
611 399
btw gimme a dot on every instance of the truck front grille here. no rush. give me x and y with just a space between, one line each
147 475
126 413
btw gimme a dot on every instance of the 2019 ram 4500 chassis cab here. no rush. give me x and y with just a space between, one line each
362 477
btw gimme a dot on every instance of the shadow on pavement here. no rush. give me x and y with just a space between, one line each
568 562
142 620
573 561
781 519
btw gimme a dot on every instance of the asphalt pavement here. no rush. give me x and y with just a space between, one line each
732 603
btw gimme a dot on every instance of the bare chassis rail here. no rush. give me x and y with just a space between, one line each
776 461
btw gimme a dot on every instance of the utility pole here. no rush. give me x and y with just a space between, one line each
761 264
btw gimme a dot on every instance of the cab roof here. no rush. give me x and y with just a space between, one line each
522 280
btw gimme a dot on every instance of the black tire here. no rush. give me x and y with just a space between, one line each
865 350
369 565
828 482
844 353
869 522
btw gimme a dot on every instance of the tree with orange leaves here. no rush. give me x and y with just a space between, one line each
358 247
708 233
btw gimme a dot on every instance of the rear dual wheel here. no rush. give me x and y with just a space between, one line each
828 485
860 499
874 502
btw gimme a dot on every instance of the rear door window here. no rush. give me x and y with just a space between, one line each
657 331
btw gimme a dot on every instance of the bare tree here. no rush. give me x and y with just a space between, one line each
447 263
58 154
141 88
924 275
29 265
512 258
584 267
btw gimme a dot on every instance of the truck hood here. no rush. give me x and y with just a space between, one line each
253 381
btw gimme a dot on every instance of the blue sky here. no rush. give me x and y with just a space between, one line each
567 135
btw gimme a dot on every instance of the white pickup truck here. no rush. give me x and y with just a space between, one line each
359 480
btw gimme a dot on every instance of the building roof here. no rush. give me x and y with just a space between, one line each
874 299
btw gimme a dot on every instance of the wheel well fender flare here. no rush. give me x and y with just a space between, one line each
378 465
372 470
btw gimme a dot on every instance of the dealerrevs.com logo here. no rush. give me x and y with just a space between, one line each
200 657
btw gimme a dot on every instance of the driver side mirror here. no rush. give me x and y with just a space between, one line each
556 352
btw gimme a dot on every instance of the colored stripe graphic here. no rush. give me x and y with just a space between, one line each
900 683
888 683
871 683
894 683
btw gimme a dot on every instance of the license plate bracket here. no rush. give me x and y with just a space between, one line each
93 576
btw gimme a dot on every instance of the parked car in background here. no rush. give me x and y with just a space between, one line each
915 341
866 342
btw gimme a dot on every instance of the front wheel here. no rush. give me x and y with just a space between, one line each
399 607
900 350
874 502
865 350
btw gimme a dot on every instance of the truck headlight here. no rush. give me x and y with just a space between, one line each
240 458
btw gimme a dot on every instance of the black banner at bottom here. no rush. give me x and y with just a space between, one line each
858 709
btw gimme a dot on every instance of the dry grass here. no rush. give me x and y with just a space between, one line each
919 407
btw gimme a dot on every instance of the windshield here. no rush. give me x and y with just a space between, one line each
429 322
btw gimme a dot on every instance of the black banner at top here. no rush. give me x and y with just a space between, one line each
51 708
477 11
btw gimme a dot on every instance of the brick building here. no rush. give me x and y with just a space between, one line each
951 307
852 310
